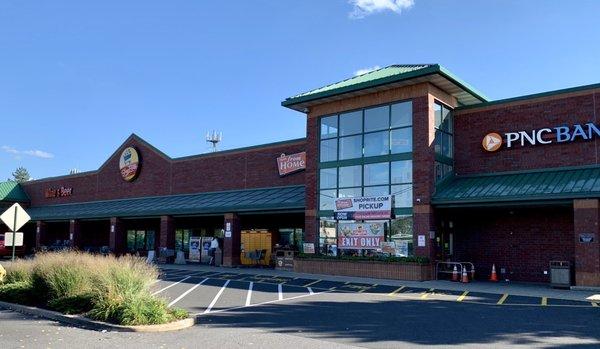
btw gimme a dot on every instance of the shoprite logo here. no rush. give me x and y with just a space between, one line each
547 135
129 164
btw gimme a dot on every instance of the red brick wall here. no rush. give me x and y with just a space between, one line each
587 255
472 125
523 241
160 175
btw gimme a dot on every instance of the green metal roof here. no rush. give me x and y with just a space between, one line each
13 192
538 185
383 76
277 198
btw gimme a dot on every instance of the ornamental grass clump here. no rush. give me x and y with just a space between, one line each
105 288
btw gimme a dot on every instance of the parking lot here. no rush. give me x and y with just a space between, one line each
206 292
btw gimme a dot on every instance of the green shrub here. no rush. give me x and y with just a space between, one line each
19 271
141 309
386 259
76 304
105 287
18 292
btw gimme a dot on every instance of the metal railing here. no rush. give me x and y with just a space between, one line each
459 266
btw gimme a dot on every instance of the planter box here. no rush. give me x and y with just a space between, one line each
371 269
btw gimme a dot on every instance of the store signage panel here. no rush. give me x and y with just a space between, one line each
50 193
354 236
364 208
288 164
547 135
129 164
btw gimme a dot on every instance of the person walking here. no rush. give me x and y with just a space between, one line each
214 245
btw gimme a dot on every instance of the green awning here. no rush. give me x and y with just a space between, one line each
249 200
11 191
537 186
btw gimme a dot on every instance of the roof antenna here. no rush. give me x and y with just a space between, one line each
214 138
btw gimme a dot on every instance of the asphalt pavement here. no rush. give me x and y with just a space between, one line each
266 310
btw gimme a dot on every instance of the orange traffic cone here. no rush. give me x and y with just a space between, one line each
473 273
455 274
465 277
494 276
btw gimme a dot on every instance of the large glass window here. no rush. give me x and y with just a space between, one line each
444 141
377 143
328 178
140 240
350 147
350 176
328 150
355 140
377 119
402 140
329 126
377 174
351 123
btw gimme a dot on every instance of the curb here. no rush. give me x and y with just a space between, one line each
585 288
81 321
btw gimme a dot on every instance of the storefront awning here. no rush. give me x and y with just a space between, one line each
249 200
526 186
11 191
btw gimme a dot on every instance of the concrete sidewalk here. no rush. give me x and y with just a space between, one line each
512 288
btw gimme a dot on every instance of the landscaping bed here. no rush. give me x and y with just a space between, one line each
102 288
397 268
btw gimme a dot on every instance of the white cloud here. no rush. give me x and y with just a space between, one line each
35 153
366 70
364 8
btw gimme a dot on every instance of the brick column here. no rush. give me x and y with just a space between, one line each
587 254
40 234
116 241
423 174
311 228
167 232
75 233
231 244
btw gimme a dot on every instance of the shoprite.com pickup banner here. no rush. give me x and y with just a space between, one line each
364 208
353 236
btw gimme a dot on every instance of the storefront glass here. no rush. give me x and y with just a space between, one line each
140 240
444 141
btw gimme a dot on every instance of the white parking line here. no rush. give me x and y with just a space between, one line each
214 301
280 291
187 292
171 285
249 296
259 304
310 291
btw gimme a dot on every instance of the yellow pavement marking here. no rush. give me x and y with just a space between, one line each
594 304
311 283
396 290
367 288
462 296
544 301
503 298
425 294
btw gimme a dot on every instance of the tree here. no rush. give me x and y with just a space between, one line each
21 175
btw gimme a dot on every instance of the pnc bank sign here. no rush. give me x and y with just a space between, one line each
561 134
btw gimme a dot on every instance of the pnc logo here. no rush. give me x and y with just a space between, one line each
492 142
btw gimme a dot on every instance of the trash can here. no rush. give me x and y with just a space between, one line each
218 257
560 274
284 260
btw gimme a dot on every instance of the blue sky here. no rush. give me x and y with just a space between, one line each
77 77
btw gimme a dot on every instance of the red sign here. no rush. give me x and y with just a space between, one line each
58 192
291 163
360 236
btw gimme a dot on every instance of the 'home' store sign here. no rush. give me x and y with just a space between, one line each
560 134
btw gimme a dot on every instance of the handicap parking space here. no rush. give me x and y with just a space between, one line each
512 300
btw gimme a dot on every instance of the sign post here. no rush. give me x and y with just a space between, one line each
15 217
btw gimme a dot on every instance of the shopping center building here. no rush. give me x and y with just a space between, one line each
512 182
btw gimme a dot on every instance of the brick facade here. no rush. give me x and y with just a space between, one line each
471 125
161 175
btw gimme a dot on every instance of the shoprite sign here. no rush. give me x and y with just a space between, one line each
364 207
360 235
129 164
560 134
291 163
